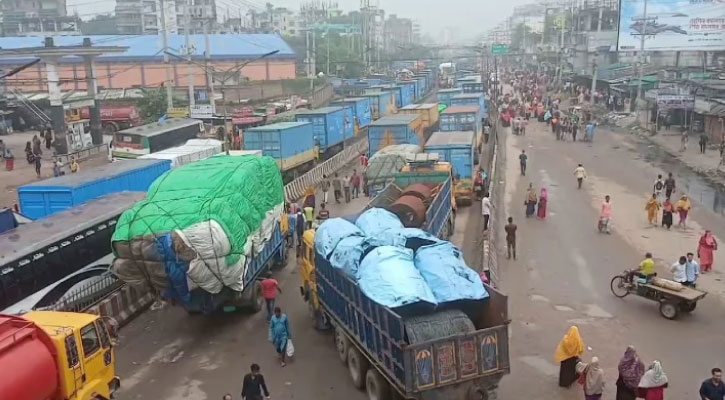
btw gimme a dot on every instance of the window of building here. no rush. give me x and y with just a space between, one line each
89 340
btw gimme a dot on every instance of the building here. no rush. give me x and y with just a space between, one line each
136 17
397 33
278 20
142 64
37 17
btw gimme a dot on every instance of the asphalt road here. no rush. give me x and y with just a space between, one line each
564 267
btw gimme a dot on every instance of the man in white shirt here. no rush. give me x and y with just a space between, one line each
580 173
485 210
679 270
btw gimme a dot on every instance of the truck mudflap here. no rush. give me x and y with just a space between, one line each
477 360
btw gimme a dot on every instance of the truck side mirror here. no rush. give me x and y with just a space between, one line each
111 326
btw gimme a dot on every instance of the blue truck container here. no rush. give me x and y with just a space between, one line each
292 144
381 103
397 92
457 148
422 90
328 126
473 87
461 118
361 109
408 89
445 95
49 196
397 129
470 99
461 81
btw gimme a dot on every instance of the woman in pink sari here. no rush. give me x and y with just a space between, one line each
543 200
705 249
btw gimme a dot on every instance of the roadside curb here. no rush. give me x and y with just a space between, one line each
123 305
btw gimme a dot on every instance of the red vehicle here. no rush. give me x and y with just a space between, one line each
116 118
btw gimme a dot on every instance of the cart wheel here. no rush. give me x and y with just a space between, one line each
376 387
342 344
688 307
668 310
358 367
619 286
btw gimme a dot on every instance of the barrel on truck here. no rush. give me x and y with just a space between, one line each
457 148
292 144
47 355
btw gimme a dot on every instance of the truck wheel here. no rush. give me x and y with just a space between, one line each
110 128
256 302
477 393
342 344
358 367
668 310
376 387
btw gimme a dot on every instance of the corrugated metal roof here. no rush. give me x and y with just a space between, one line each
464 138
461 109
148 47
323 110
399 119
278 125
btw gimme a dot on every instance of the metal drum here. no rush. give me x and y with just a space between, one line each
410 210
419 190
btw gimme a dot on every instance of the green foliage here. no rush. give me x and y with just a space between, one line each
153 105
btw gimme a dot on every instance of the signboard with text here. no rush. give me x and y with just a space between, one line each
201 111
672 25
499 49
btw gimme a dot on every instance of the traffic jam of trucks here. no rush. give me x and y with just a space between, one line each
199 227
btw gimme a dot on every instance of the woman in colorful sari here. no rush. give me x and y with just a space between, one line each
568 352
653 208
279 333
667 209
653 383
705 249
631 369
531 201
592 379
683 207
543 201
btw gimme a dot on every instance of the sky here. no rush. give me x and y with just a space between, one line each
464 19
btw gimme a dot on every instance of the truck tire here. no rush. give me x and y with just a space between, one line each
477 393
254 301
358 367
109 128
342 344
376 386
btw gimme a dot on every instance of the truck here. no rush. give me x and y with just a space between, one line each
464 118
361 110
292 144
382 103
445 95
194 150
116 117
427 111
396 129
330 126
458 351
458 148
49 355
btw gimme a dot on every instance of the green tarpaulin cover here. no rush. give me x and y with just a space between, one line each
235 191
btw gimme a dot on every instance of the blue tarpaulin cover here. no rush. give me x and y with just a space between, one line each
389 277
329 234
377 220
446 273
347 254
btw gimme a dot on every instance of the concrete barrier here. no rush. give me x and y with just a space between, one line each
123 305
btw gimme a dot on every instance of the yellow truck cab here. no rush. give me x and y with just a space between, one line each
308 289
85 358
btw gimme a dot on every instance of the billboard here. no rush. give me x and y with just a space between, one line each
672 25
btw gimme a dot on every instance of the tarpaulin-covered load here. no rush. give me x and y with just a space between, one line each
389 277
199 226
447 274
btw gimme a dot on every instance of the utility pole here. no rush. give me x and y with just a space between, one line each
308 55
143 19
209 72
596 67
314 53
190 67
640 95
327 33
165 44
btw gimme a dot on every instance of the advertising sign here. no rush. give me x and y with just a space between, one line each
672 25
201 111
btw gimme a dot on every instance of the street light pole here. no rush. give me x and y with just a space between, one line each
165 44
640 95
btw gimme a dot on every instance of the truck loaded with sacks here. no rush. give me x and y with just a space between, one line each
205 233
410 318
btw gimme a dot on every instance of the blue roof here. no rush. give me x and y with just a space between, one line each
148 47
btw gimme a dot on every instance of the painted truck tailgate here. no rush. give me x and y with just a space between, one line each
328 125
470 99
445 95
49 196
398 129
290 143
360 108
428 112
461 118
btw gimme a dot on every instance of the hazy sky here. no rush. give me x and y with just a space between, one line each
464 18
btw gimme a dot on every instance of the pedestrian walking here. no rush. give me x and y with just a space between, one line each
630 369
683 140
523 159
510 230
57 168
74 167
279 334
543 201
253 385
270 288
531 201
658 186
653 383
653 209
337 188
486 210
300 224
346 188
703 143
683 207
325 188
679 270
692 270
713 387
309 216
36 145
667 210
591 377
37 162
605 216
580 173
669 185
568 354
574 130
355 180
705 249
48 138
